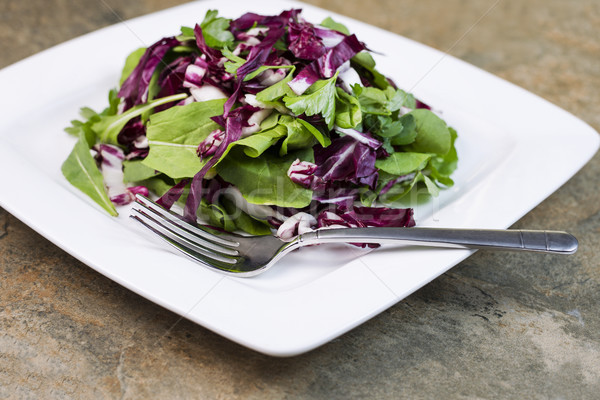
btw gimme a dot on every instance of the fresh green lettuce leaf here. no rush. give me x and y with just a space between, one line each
81 171
174 135
264 180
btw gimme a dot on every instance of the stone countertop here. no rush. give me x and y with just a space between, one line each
498 325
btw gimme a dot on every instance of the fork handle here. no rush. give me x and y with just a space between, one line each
509 239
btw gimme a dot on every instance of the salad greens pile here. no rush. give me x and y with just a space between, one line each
262 123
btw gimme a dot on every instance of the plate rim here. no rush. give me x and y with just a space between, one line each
218 286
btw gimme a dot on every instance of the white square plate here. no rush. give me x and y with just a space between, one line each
506 137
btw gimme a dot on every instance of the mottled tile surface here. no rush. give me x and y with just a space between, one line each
496 326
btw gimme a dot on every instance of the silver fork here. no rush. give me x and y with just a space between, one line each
250 255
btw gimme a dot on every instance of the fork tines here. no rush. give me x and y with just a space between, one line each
200 243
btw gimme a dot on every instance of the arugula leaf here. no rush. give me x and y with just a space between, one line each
442 167
174 135
402 163
433 189
81 171
259 142
132 60
264 180
216 215
108 127
364 64
91 117
136 171
244 221
398 191
215 30
348 112
336 26
319 99
433 135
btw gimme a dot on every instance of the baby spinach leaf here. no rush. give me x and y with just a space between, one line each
408 134
244 221
108 127
174 136
442 167
81 171
336 26
402 163
433 135
255 145
264 180
136 171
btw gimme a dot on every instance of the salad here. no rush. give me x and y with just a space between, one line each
264 124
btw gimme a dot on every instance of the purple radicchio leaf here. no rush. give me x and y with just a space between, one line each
420 104
395 181
346 159
172 78
133 138
233 131
360 217
134 89
195 73
302 173
248 20
210 145
129 195
110 159
256 58
326 65
361 137
295 225
337 195
173 194
304 42
329 37
213 55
